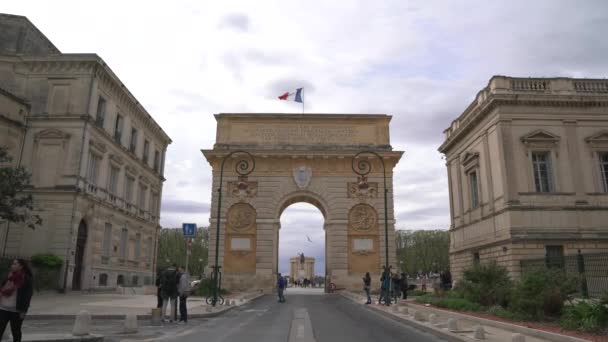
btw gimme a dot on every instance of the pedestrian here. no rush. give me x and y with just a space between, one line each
385 287
159 298
15 294
404 285
367 285
183 289
168 285
281 288
396 284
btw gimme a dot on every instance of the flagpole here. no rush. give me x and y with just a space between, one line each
302 100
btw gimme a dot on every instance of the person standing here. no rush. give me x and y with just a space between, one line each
183 290
404 285
15 294
396 293
168 291
159 298
281 288
367 285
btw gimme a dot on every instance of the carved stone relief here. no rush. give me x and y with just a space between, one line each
355 191
243 190
241 217
362 217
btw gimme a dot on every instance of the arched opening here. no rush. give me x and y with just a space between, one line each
301 244
103 279
81 241
120 280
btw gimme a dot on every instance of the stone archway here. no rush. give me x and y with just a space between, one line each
301 158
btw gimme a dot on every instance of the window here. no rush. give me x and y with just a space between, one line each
604 169
124 240
120 280
133 142
476 258
103 279
554 256
93 170
107 239
146 151
541 165
154 203
150 250
101 112
129 189
114 171
474 189
118 128
142 196
156 161
137 246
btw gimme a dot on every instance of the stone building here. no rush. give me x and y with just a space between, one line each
96 158
527 168
299 270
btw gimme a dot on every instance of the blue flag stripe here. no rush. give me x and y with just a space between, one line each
299 95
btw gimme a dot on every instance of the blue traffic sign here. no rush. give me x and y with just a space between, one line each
189 229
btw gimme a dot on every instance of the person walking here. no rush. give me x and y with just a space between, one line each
168 291
396 287
159 298
15 294
367 285
183 290
281 288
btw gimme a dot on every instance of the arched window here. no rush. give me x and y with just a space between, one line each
103 279
120 280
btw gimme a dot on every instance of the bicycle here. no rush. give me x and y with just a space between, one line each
220 300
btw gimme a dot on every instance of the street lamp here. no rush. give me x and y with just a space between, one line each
242 168
363 168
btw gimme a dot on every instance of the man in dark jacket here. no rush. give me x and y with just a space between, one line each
280 288
168 290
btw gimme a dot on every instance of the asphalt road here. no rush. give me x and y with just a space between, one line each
311 318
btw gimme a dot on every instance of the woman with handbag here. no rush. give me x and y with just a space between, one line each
15 295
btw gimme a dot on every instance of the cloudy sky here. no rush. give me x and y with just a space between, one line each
421 61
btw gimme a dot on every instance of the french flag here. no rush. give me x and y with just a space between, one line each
295 96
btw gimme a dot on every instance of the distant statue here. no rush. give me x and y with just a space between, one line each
302 259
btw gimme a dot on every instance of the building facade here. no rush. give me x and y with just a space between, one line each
96 157
527 168
299 270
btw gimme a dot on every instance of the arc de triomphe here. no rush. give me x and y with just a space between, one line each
301 158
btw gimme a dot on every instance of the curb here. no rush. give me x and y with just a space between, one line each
51 338
144 317
502 325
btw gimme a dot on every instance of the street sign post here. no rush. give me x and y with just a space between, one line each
189 230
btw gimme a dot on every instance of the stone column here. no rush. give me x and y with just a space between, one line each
336 246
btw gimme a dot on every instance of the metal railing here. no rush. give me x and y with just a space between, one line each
590 269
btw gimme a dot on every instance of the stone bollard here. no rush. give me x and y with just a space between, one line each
403 310
479 334
82 325
155 316
433 319
209 309
419 316
518 338
395 308
130 324
452 324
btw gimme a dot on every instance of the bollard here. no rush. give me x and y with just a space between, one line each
395 308
155 316
130 324
403 310
433 319
419 316
452 324
82 325
518 338
209 309
480 334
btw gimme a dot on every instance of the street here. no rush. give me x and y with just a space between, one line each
304 317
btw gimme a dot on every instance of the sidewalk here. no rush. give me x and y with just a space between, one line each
51 316
420 317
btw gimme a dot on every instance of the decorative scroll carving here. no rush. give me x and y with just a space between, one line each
354 191
243 189
240 253
362 217
363 252
241 217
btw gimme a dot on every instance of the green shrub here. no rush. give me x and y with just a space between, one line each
415 293
541 293
588 317
49 261
486 284
460 304
499 311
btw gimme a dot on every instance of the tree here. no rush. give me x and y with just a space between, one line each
172 249
423 250
15 203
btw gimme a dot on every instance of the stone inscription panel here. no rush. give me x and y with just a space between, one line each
363 245
240 244
303 134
